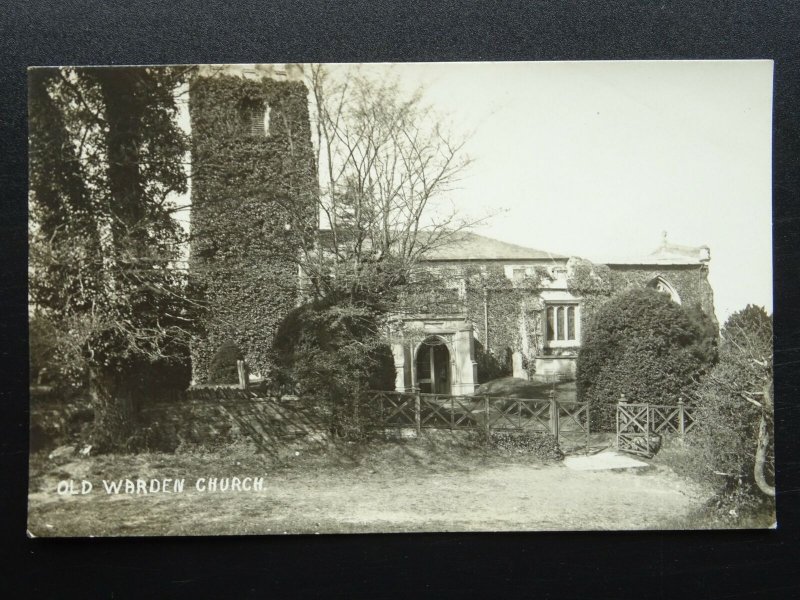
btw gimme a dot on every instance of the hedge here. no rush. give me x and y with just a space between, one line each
333 354
643 345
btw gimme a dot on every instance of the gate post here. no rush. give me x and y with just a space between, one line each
241 371
417 413
681 422
588 428
554 414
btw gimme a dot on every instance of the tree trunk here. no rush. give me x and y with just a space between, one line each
112 393
113 412
762 446
123 112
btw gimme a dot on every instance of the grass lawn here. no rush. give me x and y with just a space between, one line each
512 387
441 482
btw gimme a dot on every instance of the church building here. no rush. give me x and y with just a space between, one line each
437 351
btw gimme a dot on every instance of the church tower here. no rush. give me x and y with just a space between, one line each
254 183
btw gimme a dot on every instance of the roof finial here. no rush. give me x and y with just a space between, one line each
664 239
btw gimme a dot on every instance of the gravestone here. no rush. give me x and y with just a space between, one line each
518 370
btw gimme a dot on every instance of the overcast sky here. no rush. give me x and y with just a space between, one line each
596 159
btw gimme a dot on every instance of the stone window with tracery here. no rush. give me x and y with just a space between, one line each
662 285
561 323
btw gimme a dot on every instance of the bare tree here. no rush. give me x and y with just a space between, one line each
386 162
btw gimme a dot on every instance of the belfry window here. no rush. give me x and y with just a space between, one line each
560 323
257 120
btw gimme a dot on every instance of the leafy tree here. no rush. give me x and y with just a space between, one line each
734 418
642 345
106 154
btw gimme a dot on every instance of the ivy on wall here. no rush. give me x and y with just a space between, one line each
250 194
514 308
595 284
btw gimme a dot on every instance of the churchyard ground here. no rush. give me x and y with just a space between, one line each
431 484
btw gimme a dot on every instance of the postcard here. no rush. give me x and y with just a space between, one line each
271 299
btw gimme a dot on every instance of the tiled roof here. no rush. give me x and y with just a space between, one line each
471 246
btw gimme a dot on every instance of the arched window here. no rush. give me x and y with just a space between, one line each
662 285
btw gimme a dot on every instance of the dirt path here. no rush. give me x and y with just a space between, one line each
512 497
504 496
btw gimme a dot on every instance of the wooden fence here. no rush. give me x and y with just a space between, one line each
640 425
566 420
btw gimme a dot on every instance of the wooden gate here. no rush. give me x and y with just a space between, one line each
640 426
567 421
633 429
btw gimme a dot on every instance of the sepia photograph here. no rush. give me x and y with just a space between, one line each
271 299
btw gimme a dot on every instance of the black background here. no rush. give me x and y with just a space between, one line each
724 564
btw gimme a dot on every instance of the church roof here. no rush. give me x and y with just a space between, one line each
668 254
466 245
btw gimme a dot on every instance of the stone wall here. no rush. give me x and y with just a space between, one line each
55 422
202 419
211 421
515 314
556 366
690 281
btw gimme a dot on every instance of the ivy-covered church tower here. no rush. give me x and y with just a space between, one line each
254 182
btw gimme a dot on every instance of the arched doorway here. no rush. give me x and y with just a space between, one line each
433 367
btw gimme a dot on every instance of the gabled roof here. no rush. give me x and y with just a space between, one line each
669 254
466 245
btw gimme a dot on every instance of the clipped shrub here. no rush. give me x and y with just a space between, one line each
223 367
541 444
643 345
332 355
